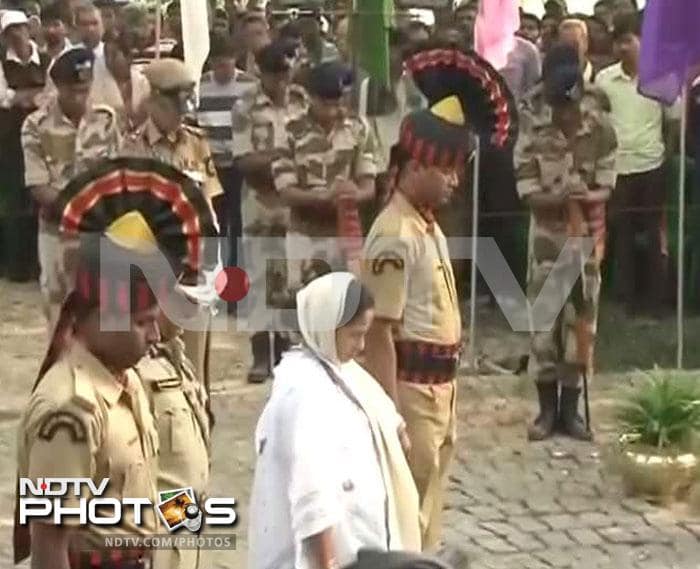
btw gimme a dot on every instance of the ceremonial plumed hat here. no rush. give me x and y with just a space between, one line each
277 57
146 210
330 80
169 75
73 66
466 97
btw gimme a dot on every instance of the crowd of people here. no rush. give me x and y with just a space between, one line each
286 146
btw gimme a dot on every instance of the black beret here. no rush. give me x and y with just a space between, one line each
277 57
330 80
73 66
561 74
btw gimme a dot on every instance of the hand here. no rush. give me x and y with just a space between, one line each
344 189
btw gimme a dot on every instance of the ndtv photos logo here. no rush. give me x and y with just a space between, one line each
43 499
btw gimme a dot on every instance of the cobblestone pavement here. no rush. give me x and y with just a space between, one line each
510 504
513 504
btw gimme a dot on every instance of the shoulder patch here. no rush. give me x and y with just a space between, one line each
387 260
63 420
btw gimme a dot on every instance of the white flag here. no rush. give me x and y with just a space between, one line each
195 35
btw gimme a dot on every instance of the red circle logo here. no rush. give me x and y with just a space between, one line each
232 284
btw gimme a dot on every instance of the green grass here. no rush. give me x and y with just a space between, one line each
625 344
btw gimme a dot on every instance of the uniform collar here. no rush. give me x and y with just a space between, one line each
34 58
423 216
106 384
58 114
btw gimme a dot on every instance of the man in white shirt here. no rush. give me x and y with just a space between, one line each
639 196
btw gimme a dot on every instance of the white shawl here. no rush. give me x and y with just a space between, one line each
320 310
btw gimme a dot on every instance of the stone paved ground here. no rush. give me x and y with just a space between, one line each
556 504
510 504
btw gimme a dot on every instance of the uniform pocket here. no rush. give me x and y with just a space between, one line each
181 433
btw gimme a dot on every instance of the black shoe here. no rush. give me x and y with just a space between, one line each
543 427
282 344
569 419
260 346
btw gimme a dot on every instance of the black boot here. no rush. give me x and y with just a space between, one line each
260 346
570 421
543 427
282 344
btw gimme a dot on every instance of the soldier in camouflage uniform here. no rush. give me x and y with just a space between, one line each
565 163
59 140
329 158
260 133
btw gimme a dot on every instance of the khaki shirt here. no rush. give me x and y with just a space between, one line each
178 401
407 268
313 159
55 150
186 149
81 422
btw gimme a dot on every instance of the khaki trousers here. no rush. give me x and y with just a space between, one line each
429 412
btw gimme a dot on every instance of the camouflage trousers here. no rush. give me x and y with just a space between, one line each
265 262
311 257
558 354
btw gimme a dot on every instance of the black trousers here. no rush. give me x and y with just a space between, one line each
228 211
637 209
501 212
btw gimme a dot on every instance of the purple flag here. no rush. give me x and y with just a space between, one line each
670 51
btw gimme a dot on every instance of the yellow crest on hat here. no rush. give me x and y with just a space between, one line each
131 231
450 109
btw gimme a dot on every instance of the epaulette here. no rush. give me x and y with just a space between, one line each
158 371
84 392
106 113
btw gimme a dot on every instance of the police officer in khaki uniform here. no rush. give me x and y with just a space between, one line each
415 341
259 137
59 140
89 415
329 157
165 137
180 406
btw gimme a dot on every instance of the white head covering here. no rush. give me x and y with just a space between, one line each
320 306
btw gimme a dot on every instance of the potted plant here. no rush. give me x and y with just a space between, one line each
660 422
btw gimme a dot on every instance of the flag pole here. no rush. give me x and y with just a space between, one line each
680 301
158 31
475 233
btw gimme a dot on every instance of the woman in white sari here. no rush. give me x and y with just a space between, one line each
331 477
